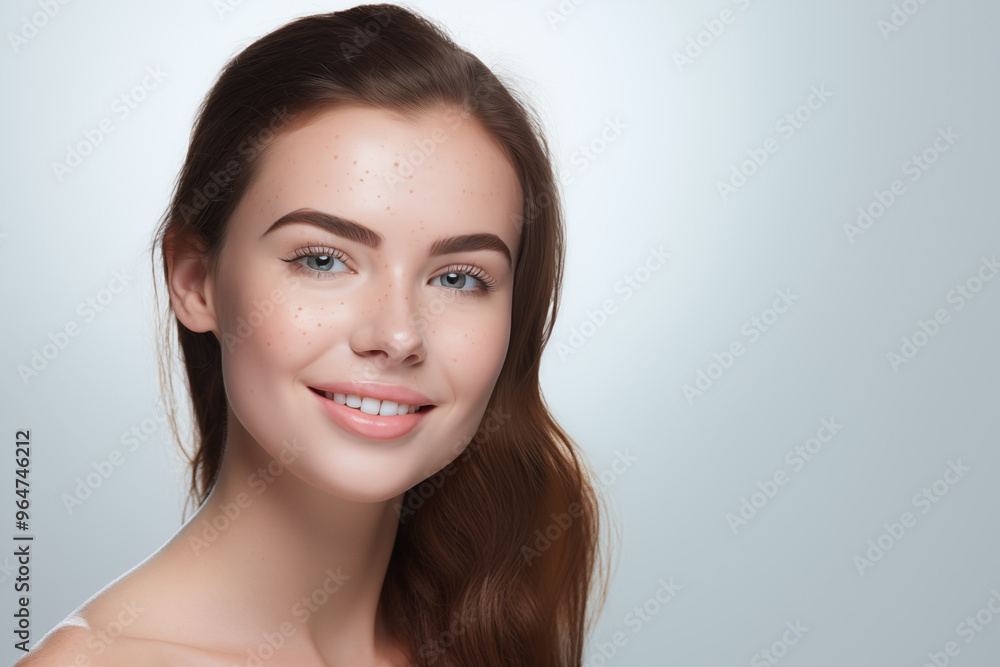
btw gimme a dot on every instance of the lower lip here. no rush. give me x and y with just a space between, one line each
373 427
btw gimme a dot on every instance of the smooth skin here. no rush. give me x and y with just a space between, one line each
306 555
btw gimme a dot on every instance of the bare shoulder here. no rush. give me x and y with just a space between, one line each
75 644
60 646
78 645
131 621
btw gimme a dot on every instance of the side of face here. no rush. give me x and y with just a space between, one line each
303 304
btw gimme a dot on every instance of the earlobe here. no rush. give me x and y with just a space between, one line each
190 285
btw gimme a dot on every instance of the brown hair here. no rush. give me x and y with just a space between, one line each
495 556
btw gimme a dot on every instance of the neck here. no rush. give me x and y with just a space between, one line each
277 555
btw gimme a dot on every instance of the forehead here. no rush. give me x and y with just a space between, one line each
409 178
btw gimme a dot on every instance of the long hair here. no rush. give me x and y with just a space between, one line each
495 557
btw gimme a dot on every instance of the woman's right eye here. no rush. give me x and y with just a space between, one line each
319 262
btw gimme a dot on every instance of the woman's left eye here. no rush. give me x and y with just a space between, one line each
459 281
466 279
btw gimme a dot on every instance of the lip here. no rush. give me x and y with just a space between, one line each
373 427
383 392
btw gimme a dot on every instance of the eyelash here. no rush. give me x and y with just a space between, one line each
486 282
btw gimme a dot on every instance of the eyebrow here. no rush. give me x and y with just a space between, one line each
353 231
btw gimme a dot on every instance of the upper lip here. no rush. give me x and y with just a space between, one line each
378 390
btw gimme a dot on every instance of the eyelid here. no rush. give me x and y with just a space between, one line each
320 249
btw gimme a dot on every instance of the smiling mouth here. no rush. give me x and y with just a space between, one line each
373 406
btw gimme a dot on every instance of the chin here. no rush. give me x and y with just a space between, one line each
369 484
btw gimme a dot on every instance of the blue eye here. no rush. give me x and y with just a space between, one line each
459 281
466 279
321 263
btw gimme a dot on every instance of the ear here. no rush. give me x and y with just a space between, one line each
190 284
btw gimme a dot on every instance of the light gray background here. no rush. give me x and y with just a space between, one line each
680 131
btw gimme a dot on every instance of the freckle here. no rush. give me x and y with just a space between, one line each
351 189
379 197
337 136
463 189
326 185
336 157
454 360
411 192
355 162
296 316
395 164
366 171
319 324
387 207
362 180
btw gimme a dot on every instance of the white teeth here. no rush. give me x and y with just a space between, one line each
372 406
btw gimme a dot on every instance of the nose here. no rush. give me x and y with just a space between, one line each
388 333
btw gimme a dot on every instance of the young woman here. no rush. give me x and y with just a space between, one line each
363 256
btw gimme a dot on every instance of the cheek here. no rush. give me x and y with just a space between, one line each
271 327
270 333
471 347
274 316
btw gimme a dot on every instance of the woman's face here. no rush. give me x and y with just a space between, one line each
371 257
